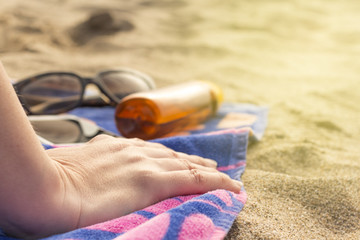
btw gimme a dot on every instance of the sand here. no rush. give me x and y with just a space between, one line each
299 58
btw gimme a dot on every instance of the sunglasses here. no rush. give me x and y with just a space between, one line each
66 129
59 92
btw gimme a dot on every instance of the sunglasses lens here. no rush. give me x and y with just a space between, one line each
121 84
51 94
58 131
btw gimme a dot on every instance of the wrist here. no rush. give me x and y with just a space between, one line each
42 209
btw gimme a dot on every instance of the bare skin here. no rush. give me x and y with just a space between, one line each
58 190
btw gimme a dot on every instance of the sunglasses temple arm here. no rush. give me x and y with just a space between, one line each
19 98
44 141
95 101
101 131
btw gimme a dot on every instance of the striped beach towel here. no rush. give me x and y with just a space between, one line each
207 216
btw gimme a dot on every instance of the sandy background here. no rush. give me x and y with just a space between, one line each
299 58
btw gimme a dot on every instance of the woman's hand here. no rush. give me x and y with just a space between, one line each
110 177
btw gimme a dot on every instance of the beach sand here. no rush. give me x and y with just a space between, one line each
299 58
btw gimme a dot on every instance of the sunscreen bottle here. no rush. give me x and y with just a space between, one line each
156 113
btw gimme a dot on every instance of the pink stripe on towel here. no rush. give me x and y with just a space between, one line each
120 225
230 167
196 226
154 229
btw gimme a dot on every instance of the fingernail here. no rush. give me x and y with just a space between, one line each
210 163
239 183
213 163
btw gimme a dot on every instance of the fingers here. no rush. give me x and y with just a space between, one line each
195 159
153 150
166 154
182 164
195 181
179 155
171 153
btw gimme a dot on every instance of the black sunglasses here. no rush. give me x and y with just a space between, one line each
58 92
66 128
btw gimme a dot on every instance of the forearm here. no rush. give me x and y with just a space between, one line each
29 183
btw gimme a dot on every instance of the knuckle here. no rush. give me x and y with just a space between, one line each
173 154
197 176
187 164
223 178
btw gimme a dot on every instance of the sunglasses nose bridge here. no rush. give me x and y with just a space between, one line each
94 94
93 84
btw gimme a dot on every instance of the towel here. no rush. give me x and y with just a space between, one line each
207 216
